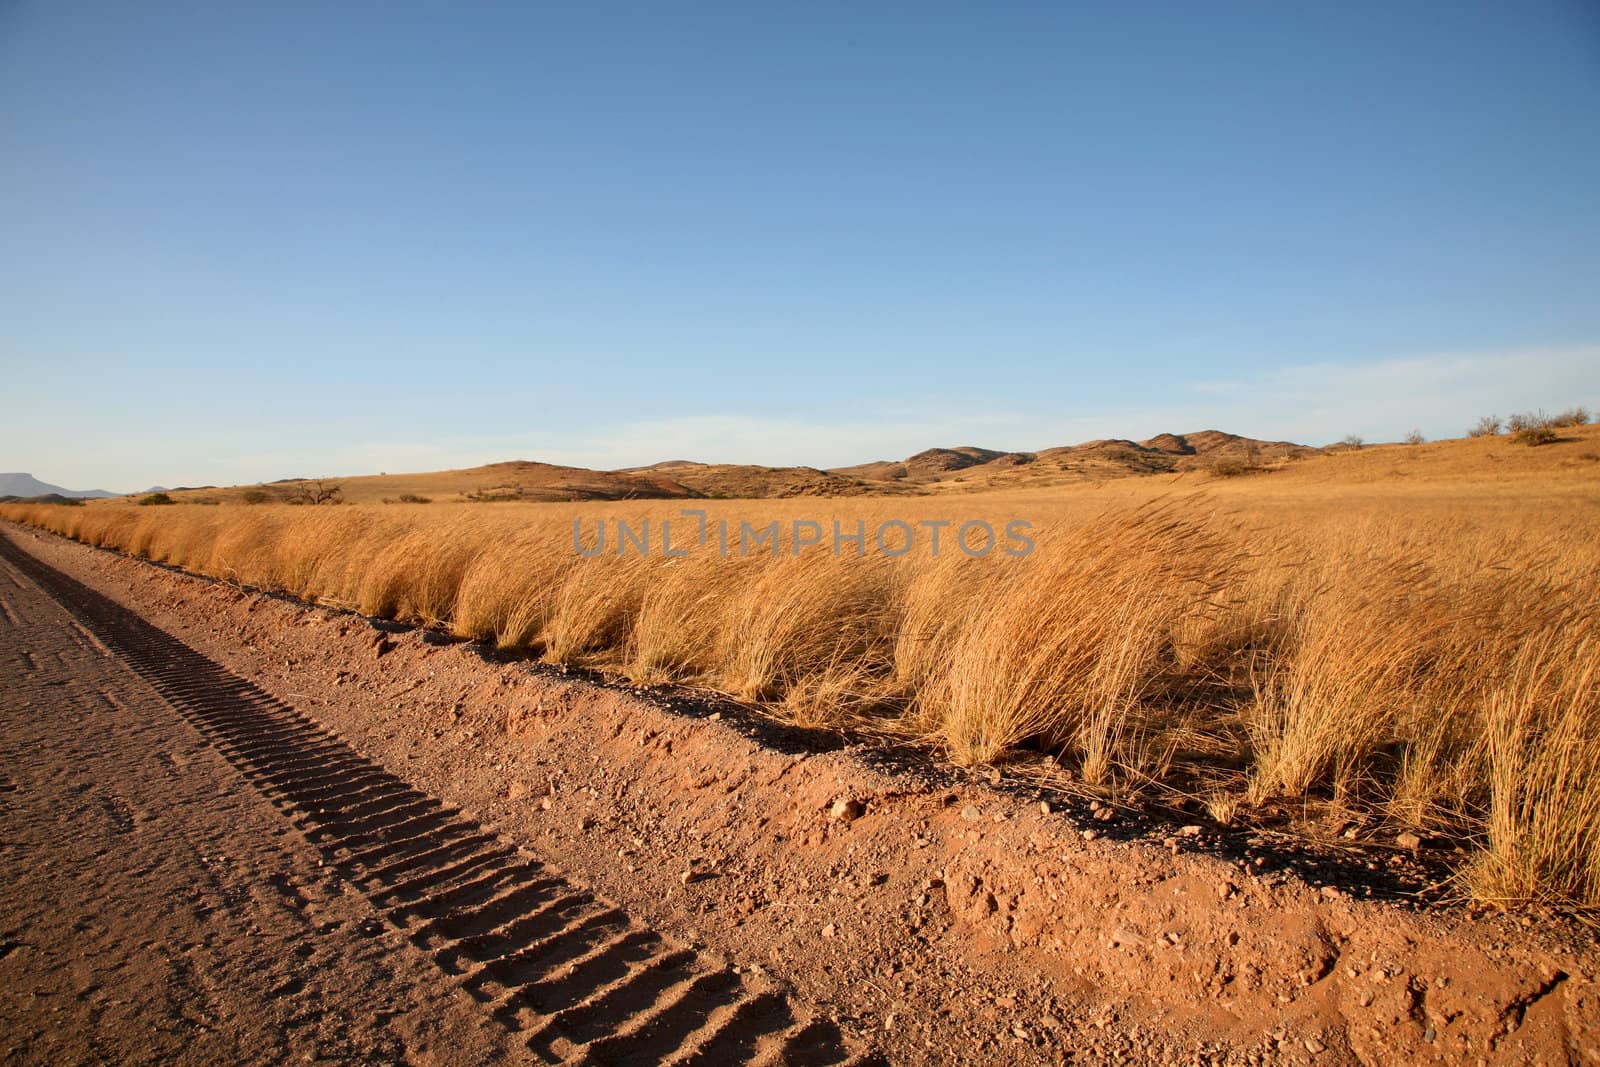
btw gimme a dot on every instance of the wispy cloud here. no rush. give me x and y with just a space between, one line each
1441 394
1314 403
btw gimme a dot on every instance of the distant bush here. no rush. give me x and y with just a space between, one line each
1488 426
1578 416
54 498
1532 428
1537 435
1353 441
496 495
1415 438
156 498
413 498
258 496
1234 468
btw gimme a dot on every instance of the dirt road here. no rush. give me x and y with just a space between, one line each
197 873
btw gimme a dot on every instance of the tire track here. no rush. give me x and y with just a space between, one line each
574 974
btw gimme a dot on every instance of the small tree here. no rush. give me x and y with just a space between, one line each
315 491
156 498
1488 426
1415 438
1353 441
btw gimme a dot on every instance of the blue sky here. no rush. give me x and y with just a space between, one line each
241 242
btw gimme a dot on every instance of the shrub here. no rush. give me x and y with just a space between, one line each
1234 468
1415 438
1532 429
1488 426
413 498
1353 441
1577 416
258 495
156 498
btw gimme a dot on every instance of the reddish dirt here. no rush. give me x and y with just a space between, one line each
154 912
928 917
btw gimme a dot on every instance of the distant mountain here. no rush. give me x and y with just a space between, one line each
1166 453
960 468
17 484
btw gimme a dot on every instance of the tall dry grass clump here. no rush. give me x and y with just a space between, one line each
1074 646
813 632
1368 649
1543 763
675 633
507 591
594 606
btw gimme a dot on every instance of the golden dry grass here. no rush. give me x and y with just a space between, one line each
1405 631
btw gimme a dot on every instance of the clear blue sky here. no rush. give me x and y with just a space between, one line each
247 241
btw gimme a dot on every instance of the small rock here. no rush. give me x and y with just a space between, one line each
1331 892
1314 1046
1090 835
846 809
1189 831
1044 807
971 813
830 930
1408 840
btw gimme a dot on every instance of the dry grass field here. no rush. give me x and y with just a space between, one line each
1406 632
